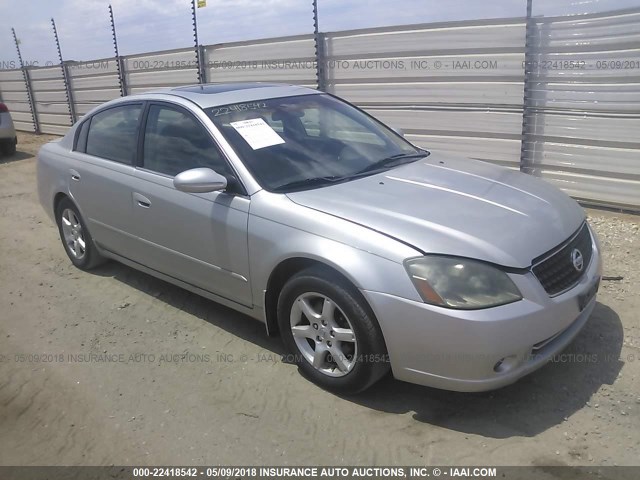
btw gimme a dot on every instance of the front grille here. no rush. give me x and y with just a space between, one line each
555 269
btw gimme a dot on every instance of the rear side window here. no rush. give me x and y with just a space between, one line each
113 133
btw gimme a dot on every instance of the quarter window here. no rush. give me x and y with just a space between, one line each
174 141
81 144
113 133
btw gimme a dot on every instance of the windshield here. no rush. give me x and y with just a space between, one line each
307 141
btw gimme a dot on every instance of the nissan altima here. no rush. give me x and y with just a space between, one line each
365 252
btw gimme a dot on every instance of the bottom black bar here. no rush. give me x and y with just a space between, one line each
328 472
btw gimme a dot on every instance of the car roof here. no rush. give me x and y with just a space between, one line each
216 94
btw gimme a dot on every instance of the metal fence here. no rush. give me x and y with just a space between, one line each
555 97
582 123
454 87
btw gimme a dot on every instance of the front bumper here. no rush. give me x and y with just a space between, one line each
7 135
462 349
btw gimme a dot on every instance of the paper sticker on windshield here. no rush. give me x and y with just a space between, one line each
257 133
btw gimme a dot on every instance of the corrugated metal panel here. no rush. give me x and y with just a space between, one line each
160 69
282 48
284 60
56 108
261 73
586 106
20 116
13 93
93 83
489 94
23 126
21 107
54 129
19 97
48 96
495 150
7 75
165 78
436 37
13 85
93 68
44 73
508 65
585 96
96 97
49 93
607 161
453 87
618 192
596 31
485 123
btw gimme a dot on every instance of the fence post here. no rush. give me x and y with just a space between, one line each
319 40
199 56
119 63
65 76
27 85
201 63
526 154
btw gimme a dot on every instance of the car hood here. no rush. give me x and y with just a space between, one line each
455 206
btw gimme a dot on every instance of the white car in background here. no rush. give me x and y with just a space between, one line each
8 138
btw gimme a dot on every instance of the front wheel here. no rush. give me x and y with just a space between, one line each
335 339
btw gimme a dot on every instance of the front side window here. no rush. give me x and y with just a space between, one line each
113 133
308 141
174 141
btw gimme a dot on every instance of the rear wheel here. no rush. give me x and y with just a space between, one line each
9 147
335 339
75 237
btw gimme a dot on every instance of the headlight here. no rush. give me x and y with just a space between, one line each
461 283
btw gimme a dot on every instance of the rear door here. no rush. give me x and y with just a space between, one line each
101 182
199 238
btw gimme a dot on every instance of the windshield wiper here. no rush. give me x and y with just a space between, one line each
309 182
387 162
392 161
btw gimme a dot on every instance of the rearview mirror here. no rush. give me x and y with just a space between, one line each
199 180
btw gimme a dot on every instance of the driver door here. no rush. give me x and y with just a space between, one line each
199 238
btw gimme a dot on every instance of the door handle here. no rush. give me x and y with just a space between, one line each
141 200
74 175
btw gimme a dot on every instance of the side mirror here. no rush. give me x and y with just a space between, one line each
199 180
399 131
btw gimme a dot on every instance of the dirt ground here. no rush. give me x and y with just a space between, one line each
177 379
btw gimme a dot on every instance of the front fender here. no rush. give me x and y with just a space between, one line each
280 230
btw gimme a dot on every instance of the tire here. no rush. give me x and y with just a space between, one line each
73 234
335 330
9 147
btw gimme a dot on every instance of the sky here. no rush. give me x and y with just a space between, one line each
150 25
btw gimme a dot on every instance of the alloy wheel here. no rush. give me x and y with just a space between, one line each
323 334
72 232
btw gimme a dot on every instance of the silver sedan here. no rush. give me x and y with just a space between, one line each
365 252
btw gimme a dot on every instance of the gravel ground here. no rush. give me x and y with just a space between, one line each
232 400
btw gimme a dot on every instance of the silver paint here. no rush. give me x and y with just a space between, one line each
225 246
